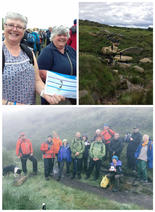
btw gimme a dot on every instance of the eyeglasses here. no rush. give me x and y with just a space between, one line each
11 26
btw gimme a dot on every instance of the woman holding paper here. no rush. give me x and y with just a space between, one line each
58 57
21 79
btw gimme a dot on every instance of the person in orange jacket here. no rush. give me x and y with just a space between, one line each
47 149
107 134
57 144
24 151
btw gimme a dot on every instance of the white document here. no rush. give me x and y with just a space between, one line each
60 84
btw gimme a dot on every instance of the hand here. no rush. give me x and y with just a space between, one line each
94 159
54 99
77 153
19 157
31 154
131 139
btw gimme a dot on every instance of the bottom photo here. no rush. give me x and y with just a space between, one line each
77 158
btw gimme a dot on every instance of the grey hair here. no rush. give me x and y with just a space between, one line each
58 30
13 15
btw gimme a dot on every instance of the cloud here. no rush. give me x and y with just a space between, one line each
127 14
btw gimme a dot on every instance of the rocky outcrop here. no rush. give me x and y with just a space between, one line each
139 69
109 50
124 65
123 58
145 60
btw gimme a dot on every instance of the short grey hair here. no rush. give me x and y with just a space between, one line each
18 16
58 30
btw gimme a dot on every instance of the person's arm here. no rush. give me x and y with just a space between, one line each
54 99
43 74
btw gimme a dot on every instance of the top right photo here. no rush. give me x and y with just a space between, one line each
115 53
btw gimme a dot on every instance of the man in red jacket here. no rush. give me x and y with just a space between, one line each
107 134
24 151
48 151
72 40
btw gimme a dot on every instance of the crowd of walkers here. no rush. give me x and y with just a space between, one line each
86 154
27 55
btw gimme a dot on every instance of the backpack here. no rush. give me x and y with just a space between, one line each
104 182
73 29
25 49
30 38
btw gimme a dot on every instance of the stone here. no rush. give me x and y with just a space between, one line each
124 65
139 69
115 71
123 58
145 60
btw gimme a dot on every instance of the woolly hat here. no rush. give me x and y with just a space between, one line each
115 157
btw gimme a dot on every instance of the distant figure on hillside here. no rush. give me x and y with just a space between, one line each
115 173
72 39
77 149
24 151
107 134
64 156
144 156
134 142
96 153
47 149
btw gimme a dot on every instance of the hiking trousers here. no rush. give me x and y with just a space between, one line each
32 159
77 166
115 179
62 163
48 166
97 165
142 169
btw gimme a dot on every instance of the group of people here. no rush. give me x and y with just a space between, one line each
22 74
85 155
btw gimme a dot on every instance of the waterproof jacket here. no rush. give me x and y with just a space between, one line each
57 144
24 147
47 149
118 166
149 154
87 147
107 135
72 39
97 150
116 145
77 145
133 145
64 153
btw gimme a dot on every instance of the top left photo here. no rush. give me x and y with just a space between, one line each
39 54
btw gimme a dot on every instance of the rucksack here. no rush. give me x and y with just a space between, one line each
73 29
30 38
25 49
104 182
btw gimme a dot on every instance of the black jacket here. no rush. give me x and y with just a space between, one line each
133 145
116 145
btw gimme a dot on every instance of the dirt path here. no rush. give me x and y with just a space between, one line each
145 201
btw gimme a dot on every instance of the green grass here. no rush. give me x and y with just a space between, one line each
36 190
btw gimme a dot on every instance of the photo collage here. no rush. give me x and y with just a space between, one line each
77 101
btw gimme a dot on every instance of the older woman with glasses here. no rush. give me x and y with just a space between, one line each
58 57
21 79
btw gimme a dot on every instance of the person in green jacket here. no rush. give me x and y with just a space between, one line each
77 149
96 153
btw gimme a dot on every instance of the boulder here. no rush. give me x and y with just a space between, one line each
124 65
115 71
132 50
108 50
145 60
139 69
123 58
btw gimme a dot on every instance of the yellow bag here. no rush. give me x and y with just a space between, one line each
104 182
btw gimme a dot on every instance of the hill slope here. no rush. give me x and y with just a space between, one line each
104 78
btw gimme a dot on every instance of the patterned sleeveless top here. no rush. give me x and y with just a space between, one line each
18 78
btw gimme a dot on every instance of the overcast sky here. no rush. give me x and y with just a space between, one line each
126 14
43 13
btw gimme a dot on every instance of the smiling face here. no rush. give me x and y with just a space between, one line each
14 30
60 40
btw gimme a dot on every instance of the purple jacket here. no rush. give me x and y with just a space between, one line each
64 153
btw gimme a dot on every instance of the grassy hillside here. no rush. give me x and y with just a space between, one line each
99 82
57 196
